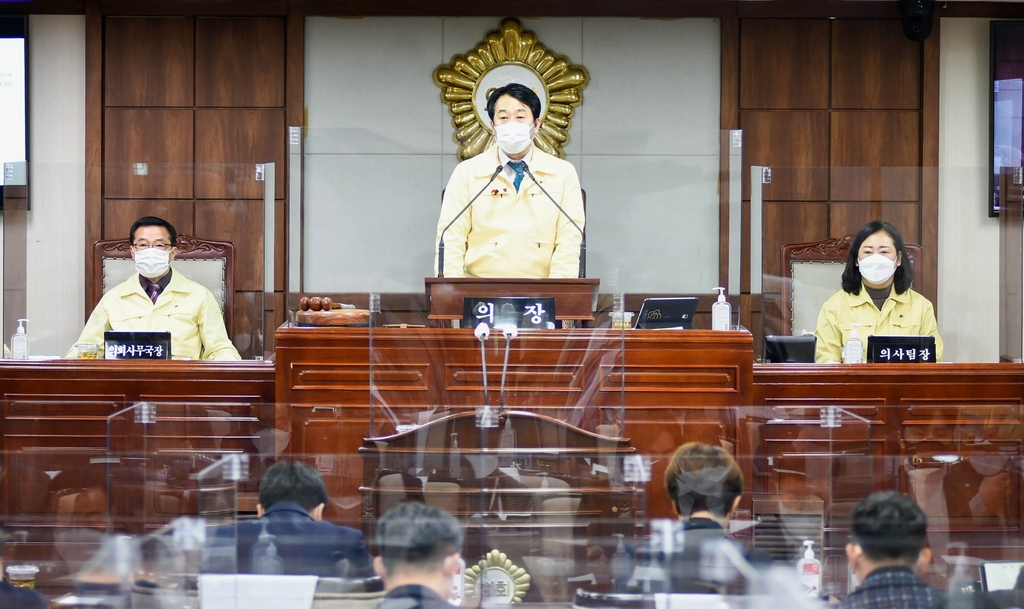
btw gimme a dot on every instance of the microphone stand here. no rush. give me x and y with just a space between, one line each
440 245
583 236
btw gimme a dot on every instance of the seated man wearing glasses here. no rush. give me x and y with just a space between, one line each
158 299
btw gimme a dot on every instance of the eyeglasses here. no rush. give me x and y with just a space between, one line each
142 245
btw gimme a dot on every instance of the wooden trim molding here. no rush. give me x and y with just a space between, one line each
93 142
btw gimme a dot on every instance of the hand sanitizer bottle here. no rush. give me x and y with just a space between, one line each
19 342
507 445
455 458
854 348
721 312
622 566
808 570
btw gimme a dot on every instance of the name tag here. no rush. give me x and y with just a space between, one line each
137 345
538 313
901 349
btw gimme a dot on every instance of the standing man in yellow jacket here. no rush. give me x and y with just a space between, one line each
158 299
513 229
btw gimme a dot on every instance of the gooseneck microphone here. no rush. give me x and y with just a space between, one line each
510 332
440 244
583 236
481 333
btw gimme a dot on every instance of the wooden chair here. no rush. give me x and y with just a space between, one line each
812 272
209 263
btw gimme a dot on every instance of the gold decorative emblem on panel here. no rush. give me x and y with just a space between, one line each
496 581
508 55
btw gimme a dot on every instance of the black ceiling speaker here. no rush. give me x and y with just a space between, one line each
917 18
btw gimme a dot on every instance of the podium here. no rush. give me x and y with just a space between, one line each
575 299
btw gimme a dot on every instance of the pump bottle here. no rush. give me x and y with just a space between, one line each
455 458
19 342
721 312
808 569
854 348
622 566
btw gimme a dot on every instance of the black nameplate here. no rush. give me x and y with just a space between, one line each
137 345
519 312
901 349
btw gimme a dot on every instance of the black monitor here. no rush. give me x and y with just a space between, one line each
667 313
789 349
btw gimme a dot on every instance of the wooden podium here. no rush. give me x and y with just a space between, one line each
575 299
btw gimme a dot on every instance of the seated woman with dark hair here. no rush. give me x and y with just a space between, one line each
876 296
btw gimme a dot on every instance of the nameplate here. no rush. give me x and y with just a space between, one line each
901 349
137 345
519 312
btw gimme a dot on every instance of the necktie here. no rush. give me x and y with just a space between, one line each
154 292
520 169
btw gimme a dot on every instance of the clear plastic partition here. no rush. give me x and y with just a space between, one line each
224 215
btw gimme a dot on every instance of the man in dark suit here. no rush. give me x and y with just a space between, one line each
290 536
420 549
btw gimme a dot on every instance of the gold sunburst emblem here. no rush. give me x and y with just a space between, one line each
509 55
496 581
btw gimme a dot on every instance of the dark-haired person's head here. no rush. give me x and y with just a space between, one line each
418 544
515 119
877 240
887 529
172 235
294 482
520 93
703 481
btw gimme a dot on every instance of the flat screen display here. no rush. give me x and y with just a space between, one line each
1007 103
13 92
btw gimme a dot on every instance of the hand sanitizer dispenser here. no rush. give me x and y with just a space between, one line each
455 458
854 348
19 342
721 312
809 571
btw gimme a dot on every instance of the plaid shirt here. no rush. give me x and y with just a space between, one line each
893 588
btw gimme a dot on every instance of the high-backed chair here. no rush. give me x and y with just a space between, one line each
812 272
209 263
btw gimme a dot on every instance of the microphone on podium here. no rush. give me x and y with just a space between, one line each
583 236
510 332
484 414
440 244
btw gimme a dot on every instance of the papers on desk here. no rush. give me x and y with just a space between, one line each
244 591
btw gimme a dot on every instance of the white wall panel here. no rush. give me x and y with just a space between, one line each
968 312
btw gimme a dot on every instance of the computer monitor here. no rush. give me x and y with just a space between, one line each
789 349
667 313
999 574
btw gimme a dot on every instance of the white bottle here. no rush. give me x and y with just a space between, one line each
721 312
19 342
808 569
455 458
854 348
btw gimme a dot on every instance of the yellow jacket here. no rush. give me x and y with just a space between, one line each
510 234
906 314
185 308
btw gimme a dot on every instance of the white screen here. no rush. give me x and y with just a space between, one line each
12 101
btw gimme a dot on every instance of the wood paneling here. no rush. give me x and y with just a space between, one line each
795 145
876 156
786 223
160 138
794 74
148 61
93 141
846 218
229 144
241 223
240 62
874 66
120 214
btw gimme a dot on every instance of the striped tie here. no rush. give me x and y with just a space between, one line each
154 292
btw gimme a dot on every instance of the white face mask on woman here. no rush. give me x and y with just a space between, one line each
513 137
877 268
152 262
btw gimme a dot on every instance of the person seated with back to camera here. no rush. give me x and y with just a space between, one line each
292 497
876 296
705 484
159 299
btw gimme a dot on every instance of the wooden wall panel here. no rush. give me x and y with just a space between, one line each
241 222
148 61
874 66
794 74
120 214
795 145
786 223
161 138
230 143
240 62
876 156
846 218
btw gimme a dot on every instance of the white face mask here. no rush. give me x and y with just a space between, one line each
513 137
877 268
152 262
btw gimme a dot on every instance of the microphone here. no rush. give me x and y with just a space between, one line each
510 332
440 243
583 236
484 414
